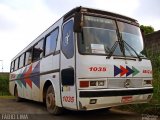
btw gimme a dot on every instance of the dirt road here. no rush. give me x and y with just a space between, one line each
30 110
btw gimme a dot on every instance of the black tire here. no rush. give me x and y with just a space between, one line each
51 103
18 99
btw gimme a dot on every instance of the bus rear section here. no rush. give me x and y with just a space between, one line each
110 69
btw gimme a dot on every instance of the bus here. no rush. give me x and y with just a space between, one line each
89 59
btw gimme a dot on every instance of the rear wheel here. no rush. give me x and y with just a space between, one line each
18 99
51 103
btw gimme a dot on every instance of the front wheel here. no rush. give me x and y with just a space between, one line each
51 103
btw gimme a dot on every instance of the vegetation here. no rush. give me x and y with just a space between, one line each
147 29
4 87
153 107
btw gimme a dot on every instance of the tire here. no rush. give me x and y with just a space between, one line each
18 99
51 103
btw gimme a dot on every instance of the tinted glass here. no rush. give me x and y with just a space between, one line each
21 61
38 51
12 66
16 64
98 36
131 35
67 41
28 57
51 42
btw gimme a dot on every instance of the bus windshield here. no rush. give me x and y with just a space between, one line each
131 35
100 34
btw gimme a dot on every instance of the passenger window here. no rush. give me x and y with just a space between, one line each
12 66
16 64
21 61
38 51
51 42
28 57
67 40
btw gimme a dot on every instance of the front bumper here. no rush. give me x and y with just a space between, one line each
115 92
113 97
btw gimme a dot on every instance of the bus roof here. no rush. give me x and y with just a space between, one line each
97 12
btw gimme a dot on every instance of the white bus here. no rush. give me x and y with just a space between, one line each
89 59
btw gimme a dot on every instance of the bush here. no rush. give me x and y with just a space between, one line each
4 84
154 106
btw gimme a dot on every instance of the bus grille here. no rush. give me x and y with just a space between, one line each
125 83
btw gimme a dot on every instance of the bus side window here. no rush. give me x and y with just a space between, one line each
51 42
67 40
38 51
12 66
28 56
16 64
21 61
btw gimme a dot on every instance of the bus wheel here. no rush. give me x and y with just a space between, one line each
51 103
18 99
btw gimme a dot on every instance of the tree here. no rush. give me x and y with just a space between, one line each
147 29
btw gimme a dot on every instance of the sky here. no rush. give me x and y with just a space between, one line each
21 21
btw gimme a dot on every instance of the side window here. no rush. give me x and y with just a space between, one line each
21 61
51 42
28 56
16 64
38 51
12 66
67 40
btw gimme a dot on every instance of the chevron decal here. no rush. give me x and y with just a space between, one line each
117 70
22 76
125 71
29 76
135 71
130 71
36 77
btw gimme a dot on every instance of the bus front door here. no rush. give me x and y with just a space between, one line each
68 87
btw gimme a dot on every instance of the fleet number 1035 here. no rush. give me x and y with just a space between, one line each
98 69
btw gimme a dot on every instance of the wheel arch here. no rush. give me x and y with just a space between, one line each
15 87
45 87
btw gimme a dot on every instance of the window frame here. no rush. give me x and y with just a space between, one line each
45 39
65 22
31 56
12 67
20 59
17 64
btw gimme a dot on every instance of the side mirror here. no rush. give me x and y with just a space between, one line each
78 22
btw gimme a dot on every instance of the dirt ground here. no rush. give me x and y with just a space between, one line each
10 109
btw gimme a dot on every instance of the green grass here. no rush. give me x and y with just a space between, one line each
4 84
7 97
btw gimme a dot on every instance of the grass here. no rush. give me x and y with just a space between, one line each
7 97
4 84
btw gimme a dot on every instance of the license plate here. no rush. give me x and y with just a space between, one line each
126 99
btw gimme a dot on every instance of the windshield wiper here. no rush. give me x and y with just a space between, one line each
139 57
111 51
126 45
123 44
